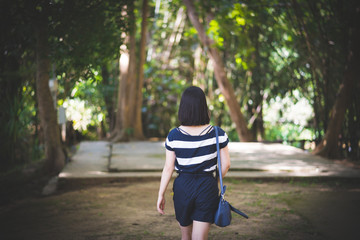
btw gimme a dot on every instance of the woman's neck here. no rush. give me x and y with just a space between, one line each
196 130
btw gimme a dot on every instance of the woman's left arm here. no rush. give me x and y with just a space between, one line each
165 179
225 160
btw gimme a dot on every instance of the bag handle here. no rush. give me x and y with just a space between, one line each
223 188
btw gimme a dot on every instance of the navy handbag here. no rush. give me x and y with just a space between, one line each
223 213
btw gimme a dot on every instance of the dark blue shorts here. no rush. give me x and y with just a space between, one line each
195 198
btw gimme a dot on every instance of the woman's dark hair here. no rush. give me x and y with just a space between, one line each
193 110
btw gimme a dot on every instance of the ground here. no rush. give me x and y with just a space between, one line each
294 208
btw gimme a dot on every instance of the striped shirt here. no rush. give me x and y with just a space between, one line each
195 154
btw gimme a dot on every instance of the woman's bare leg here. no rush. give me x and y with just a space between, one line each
186 232
200 230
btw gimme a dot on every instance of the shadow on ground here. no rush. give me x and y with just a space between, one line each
125 209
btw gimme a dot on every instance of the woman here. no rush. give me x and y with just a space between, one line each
191 151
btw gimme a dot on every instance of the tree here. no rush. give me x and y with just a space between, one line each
138 129
54 154
328 147
327 39
17 85
38 34
220 74
123 129
128 124
83 47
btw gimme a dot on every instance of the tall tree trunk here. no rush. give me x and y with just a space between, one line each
121 113
220 75
55 158
132 76
328 147
255 109
127 94
138 128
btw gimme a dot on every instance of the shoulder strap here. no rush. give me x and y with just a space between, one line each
223 188
182 130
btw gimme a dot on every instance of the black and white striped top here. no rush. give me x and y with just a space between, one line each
195 154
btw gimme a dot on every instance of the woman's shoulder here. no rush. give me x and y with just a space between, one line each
223 138
173 133
221 131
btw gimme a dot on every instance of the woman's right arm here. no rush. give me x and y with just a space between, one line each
225 160
165 179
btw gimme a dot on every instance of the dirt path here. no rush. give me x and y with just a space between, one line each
126 210
333 212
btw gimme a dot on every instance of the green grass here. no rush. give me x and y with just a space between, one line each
160 156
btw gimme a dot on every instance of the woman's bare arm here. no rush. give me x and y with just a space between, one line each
225 160
165 179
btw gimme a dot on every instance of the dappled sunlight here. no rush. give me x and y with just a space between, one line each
134 159
244 147
83 174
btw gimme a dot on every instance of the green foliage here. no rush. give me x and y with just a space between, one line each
86 34
22 144
83 35
278 56
161 96
86 44
271 49
164 84
17 118
322 35
214 32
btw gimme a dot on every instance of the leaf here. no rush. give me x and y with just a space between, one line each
240 21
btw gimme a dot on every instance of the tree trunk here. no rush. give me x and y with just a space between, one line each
257 97
132 76
220 75
138 128
121 122
127 94
55 158
328 147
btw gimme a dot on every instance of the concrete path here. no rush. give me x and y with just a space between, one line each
146 159
90 160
